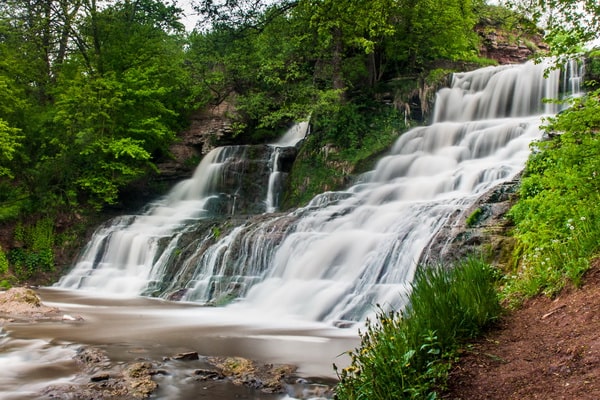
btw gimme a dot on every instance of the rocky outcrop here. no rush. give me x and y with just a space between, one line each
509 47
207 126
481 230
22 304
258 230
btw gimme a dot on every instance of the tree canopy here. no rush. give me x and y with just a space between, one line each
570 24
94 93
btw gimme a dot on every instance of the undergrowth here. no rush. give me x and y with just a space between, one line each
343 143
557 217
407 355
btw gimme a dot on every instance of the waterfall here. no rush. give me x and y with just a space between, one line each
334 259
290 139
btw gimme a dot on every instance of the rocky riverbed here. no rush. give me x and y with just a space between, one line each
97 371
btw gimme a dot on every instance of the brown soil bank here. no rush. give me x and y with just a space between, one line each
549 349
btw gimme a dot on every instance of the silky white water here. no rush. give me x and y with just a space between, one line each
345 252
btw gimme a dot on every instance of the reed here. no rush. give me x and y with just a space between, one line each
407 355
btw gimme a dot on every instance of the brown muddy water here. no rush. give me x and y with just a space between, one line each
35 355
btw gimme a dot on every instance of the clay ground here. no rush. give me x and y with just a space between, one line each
549 349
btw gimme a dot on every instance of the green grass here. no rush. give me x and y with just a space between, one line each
407 355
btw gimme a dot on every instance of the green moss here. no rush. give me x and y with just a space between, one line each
330 158
474 217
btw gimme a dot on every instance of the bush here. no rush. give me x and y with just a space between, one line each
407 355
36 253
3 262
557 217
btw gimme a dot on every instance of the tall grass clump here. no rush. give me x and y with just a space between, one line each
557 217
407 354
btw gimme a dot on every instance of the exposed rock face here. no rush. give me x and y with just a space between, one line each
505 48
480 230
206 127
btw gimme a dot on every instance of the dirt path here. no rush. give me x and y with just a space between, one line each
549 349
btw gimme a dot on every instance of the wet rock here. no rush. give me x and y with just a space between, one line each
139 379
189 356
92 359
99 377
206 375
24 304
486 235
267 378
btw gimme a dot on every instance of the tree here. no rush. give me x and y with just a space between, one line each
9 142
41 32
569 24
101 90
119 109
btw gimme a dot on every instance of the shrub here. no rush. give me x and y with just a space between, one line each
36 253
3 262
557 217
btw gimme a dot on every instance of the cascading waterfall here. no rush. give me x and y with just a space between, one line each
334 259
127 253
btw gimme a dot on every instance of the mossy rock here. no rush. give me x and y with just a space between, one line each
21 295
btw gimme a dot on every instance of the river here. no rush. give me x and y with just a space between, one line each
35 355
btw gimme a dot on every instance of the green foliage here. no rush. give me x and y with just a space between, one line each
35 252
407 355
558 213
592 69
291 60
10 135
9 141
12 200
216 232
474 217
569 24
433 30
507 19
102 91
3 262
330 156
